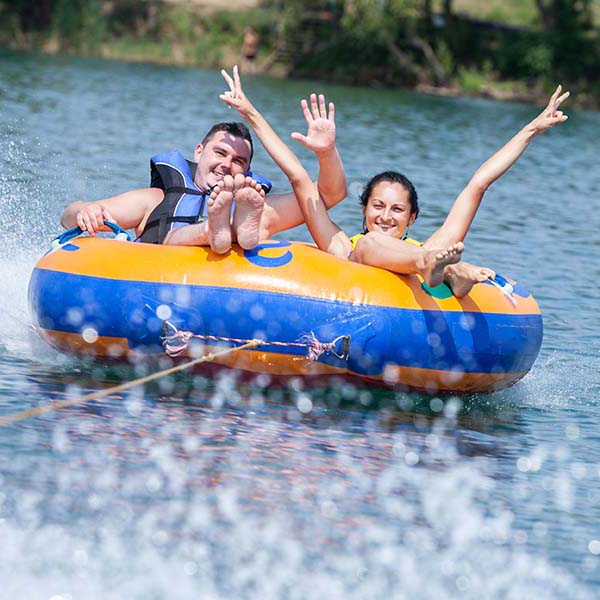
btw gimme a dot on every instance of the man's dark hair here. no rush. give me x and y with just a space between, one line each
235 129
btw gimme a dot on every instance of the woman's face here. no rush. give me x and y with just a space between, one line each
388 209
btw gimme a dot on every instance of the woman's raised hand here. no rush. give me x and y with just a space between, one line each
551 116
235 97
320 136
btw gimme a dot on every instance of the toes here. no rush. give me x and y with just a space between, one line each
239 181
227 183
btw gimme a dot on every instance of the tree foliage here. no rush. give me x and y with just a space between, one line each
389 41
423 41
570 35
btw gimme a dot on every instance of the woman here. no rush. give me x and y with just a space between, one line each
389 201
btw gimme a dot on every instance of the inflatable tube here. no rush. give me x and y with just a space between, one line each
318 316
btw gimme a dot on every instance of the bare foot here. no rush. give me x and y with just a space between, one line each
219 210
432 265
462 276
249 204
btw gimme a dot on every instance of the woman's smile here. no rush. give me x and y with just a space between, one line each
388 209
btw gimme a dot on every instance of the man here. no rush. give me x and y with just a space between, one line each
220 179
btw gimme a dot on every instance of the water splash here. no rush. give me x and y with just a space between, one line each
244 503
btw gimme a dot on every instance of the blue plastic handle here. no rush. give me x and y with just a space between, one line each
68 235
501 280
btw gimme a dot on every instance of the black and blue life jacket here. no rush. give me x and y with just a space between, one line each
184 203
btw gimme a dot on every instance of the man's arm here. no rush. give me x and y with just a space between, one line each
129 210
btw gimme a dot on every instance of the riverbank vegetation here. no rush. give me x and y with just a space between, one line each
503 48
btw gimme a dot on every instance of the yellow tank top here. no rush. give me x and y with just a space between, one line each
354 239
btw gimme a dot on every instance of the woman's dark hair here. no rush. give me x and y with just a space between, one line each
392 177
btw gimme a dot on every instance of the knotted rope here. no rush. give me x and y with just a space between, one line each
178 342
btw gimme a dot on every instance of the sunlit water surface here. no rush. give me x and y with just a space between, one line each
199 488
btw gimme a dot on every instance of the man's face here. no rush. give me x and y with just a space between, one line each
223 154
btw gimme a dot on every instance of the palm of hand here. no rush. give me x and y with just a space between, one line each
320 135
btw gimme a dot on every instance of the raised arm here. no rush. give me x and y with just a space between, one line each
465 207
284 158
327 235
320 138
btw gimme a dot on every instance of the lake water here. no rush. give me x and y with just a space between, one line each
198 488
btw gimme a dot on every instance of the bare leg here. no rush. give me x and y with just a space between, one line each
462 276
219 209
249 204
189 235
380 250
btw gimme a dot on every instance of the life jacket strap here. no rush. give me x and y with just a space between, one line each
184 190
165 221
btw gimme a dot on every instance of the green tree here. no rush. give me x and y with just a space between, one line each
569 27
79 24
403 30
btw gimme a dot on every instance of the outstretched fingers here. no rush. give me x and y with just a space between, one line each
320 120
296 135
561 99
323 112
299 137
318 108
235 83
314 107
555 95
331 115
235 97
556 100
305 111
322 107
228 80
236 79
551 115
229 95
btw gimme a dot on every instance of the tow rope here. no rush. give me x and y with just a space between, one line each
59 404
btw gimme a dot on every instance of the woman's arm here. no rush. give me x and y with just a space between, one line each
465 207
327 235
320 138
